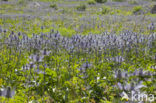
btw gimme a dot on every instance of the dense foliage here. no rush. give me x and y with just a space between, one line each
77 51
101 1
91 68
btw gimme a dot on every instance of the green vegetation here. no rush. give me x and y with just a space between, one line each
54 6
76 51
81 7
119 0
106 10
101 1
136 9
133 2
91 2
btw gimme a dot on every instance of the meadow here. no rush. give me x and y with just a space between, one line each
77 51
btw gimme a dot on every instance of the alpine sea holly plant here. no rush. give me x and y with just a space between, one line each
49 67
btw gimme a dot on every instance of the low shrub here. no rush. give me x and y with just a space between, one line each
119 0
91 2
101 1
81 7
137 9
153 10
5 0
22 2
54 6
105 10
133 2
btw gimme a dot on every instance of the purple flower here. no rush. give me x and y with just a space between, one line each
86 65
9 92
141 72
118 74
120 86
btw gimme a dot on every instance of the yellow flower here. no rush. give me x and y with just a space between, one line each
125 97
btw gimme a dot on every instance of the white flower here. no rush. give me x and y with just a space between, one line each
54 89
98 78
104 77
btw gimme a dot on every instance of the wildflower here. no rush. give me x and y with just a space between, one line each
31 65
141 72
127 86
42 27
124 96
19 33
120 86
4 30
132 86
1 29
3 92
9 92
86 65
45 52
119 74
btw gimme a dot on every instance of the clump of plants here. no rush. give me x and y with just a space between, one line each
5 0
137 9
153 10
21 2
119 0
105 10
133 2
101 1
81 7
51 68
91 2
54 6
